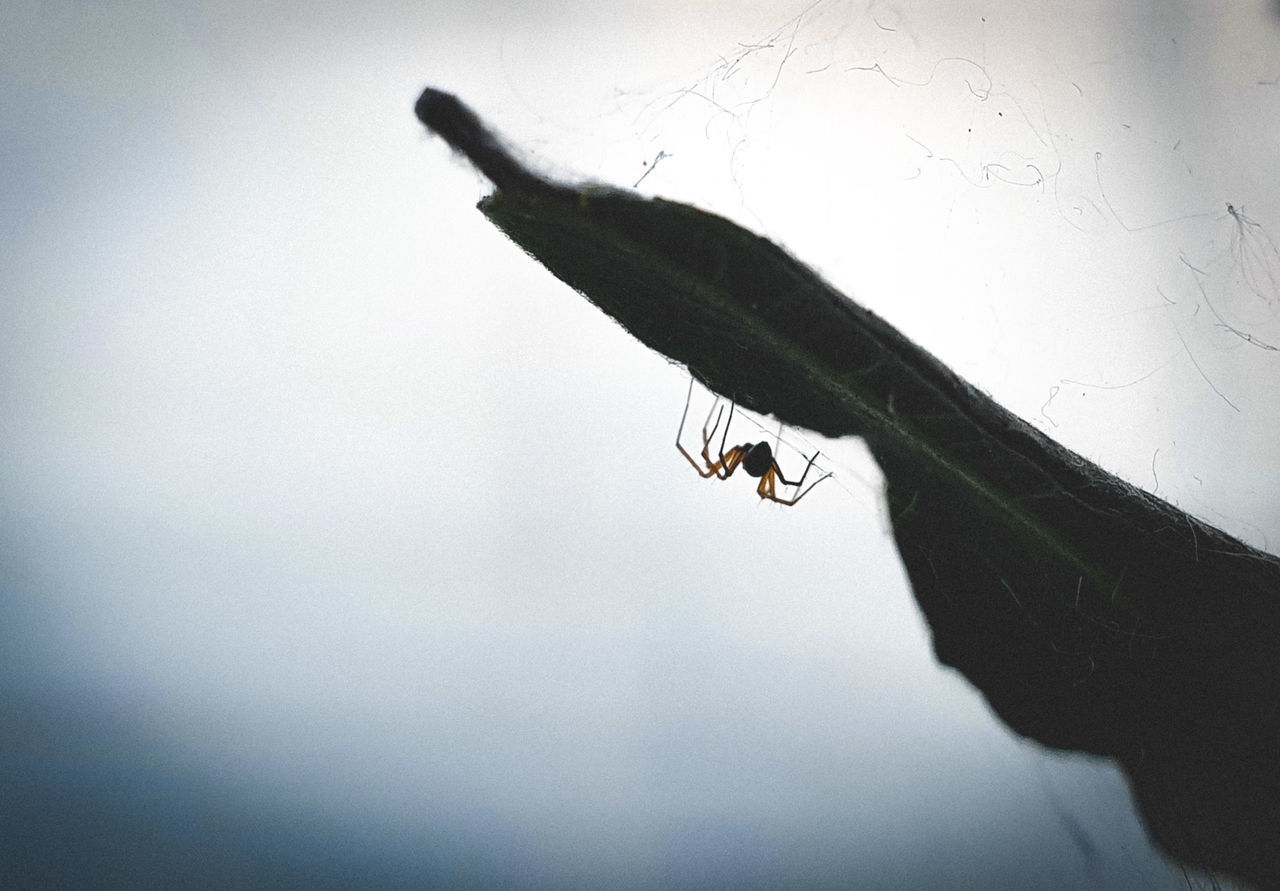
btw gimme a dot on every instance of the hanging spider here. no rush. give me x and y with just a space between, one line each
757 459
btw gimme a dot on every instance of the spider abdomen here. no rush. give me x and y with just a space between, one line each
758 460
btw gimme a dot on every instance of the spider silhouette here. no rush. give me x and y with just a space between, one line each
756 459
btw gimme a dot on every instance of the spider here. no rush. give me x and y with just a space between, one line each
757 459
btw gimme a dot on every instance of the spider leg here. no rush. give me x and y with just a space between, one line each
711 469
708 434
789 502
707 469
787 482
730 460
723 468
706 441
685 413
767 488
724 437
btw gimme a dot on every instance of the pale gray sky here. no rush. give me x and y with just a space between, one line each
328 519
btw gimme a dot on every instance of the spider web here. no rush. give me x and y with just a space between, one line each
1025 199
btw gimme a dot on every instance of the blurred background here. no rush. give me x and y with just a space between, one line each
340 544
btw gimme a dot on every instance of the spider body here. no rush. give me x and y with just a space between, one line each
755 458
